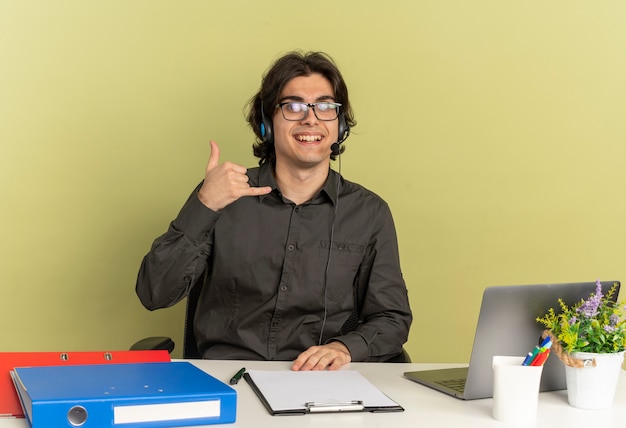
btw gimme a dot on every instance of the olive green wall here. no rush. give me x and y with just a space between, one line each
494 129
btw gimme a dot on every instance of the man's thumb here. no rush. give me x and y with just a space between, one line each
214 158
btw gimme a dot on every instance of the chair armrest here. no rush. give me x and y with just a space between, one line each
154 343
402 357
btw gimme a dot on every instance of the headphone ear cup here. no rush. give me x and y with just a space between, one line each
343 129
266 128
266 132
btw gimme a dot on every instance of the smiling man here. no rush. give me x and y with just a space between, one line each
295 262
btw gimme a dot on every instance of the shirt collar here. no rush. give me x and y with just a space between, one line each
330 187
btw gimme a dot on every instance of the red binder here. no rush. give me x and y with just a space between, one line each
10 403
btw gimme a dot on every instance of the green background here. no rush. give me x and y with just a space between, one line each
494 129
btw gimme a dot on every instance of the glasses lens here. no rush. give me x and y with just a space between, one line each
326 111
298 111
294 111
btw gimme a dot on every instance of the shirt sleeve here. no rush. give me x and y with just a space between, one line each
178 258
384 314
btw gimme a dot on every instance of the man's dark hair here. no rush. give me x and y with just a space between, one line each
291 65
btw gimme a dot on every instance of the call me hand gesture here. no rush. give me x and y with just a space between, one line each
225 183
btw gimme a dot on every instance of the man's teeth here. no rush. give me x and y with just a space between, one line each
309 138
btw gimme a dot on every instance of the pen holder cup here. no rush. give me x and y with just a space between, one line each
515 389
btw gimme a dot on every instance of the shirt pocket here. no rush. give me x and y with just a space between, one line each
343 261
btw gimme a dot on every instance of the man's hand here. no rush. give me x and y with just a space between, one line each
224 184
330 356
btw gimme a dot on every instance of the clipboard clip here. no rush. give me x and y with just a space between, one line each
334 406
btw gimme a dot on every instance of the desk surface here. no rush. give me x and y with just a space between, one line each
423 406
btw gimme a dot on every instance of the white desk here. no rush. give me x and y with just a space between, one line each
423 407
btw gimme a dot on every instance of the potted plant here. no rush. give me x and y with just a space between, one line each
590 338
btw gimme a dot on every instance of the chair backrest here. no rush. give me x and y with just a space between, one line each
190 346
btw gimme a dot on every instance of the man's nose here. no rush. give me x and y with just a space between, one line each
310 115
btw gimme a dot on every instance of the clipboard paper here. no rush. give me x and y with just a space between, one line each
286 392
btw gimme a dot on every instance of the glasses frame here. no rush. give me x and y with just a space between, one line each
307 106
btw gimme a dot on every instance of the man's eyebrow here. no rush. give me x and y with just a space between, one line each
300 99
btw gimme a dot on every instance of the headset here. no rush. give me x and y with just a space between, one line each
267 133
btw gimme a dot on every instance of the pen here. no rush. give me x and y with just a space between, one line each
541 358
544 343
531 356
528 359
237 376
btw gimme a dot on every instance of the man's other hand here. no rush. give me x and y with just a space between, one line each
330 356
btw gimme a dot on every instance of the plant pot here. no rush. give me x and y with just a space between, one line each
591 387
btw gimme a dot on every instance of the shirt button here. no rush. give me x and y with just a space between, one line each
297 210
283 288
290 247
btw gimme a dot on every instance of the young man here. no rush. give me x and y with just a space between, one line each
295 262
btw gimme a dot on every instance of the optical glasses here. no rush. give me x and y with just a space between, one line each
298 111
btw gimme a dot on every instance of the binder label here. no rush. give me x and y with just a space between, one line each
166 412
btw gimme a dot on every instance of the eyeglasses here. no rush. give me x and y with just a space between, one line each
298 111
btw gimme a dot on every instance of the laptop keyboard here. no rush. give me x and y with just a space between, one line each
457 385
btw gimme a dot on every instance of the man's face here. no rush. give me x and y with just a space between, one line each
305 143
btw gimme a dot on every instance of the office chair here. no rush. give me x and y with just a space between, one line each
190 347
402 357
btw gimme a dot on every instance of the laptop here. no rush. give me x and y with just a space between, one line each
507 326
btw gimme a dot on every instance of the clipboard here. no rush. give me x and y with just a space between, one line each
287 392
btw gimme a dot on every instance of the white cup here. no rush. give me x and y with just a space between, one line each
515 390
